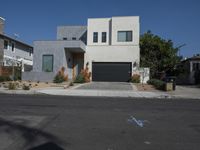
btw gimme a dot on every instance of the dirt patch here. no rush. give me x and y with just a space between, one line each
36 85
145 87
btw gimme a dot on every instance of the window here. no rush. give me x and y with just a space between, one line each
196 66
47 63
13 47
124 36
103 37
30 52
65 38
5 44
73 38
95 37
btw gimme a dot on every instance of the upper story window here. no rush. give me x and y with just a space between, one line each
65 38
5 44
47 63
13 46
103 37
95 37
124 36
73 38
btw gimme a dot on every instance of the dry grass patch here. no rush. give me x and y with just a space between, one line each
145 87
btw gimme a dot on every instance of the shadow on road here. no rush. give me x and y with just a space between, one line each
47 146
28 136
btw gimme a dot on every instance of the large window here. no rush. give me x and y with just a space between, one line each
103 37
95 37
124 36
47 63
5 44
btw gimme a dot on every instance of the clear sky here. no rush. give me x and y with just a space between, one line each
178 20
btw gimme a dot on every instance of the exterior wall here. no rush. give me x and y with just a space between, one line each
70 31
98 25
125 24
62 56
54 48
111 54
1 25
188 77
20 51
1 51
38 76
1 56
1 42
112 50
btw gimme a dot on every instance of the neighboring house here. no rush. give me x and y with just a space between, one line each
14 52
108 46
190 68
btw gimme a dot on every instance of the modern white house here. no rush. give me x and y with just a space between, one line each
108 46
13 51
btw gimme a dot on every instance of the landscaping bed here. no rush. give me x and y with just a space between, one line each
145 87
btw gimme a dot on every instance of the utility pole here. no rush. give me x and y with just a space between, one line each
179 51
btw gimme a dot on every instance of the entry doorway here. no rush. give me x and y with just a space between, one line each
78 64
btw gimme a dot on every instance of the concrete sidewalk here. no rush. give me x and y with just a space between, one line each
186 92
181 92
104 93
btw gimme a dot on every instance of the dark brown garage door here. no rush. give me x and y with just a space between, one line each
113 72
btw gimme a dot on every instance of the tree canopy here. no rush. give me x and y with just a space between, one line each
158 54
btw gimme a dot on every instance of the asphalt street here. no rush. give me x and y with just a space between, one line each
39 122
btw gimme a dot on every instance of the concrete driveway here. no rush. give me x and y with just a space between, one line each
119 86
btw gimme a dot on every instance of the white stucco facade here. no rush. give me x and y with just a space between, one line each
112 50
75 40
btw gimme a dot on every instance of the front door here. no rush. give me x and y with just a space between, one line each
78 62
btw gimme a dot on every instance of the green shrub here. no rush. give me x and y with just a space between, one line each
158 84
12 86
135 78
25 87
4 78
80 79
58 78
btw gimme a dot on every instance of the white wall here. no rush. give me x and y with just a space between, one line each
112 51
125 24
98 25
111 54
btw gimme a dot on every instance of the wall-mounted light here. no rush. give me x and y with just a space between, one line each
135 64
87 63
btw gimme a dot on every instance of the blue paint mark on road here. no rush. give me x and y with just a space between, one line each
140 123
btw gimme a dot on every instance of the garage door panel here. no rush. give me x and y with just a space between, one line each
119 72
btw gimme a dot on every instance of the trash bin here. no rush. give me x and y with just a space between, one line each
168 86
171 79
